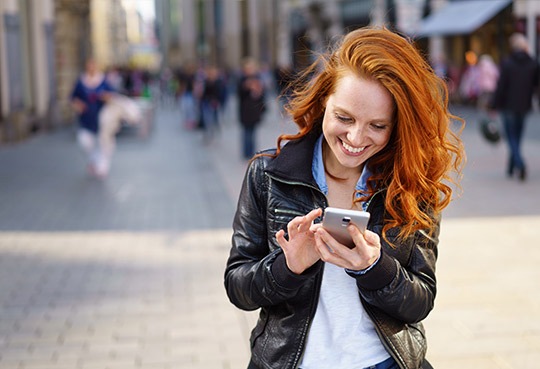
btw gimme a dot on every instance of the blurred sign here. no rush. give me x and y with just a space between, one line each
461 17
144 57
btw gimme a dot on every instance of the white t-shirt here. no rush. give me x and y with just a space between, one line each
341 335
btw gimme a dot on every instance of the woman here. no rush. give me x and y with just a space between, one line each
374 134
89 95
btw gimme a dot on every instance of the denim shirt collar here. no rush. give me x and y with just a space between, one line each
317 168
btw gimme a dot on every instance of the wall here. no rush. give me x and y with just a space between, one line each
42 15
26 67
72 30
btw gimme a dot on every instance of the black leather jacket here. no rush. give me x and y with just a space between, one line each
397 293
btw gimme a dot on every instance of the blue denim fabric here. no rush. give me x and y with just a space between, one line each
190 112
210 119
248 142
389 363
514 124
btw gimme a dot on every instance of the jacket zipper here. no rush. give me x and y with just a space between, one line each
313 308
384 339
289 212
313 304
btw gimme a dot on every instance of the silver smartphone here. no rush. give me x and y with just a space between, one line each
336 220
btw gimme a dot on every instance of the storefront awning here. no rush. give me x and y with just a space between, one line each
460 17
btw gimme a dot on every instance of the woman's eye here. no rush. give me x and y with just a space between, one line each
343 118
379 127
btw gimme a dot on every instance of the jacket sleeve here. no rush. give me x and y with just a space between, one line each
405 291
255 275
498 100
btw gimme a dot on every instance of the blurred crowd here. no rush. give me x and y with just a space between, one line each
201 92
471 84
504 94
172 84
105 100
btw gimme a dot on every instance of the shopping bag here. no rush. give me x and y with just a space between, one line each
489 128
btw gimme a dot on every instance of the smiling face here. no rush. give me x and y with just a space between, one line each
357 123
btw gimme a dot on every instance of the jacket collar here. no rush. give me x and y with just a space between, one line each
294 163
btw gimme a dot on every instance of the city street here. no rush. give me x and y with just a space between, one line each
128 272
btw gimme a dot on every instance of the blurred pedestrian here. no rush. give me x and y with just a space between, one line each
251 95
188 92
374 134
469 89
114 78
488 75
118 110
211 98
517 84
90 93
168 87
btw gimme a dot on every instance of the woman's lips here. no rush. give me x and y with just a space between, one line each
351 149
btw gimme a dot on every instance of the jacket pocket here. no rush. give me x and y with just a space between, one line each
280 217
417 348
284 216
418 333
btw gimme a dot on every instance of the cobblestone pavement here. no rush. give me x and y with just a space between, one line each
127 272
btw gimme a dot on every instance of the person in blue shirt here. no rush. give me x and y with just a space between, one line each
89 95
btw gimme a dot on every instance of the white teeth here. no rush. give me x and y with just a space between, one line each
354 150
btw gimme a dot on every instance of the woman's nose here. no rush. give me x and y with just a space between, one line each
356 134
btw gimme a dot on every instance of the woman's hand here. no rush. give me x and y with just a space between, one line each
362 256
300 249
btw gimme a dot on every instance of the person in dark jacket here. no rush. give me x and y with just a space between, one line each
212 93
375 135
518 81
251 94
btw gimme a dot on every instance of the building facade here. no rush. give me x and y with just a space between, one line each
220 32
43 48
73 45
27 67
275 32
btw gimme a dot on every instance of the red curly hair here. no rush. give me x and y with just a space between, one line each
416 165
